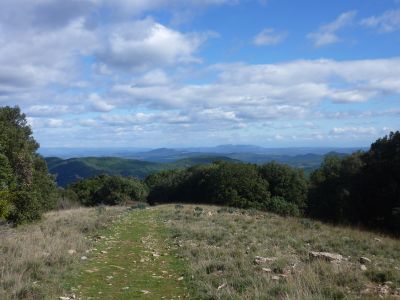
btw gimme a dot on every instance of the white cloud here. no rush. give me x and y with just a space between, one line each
300 84
99 104
143 44
49 110
152 78
327 34
30 58
389 21
353 131
269 36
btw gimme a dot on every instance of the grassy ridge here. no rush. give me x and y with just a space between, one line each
221 245
139 256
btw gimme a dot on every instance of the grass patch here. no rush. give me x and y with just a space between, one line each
132 260
34 258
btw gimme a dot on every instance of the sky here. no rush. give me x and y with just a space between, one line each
180 73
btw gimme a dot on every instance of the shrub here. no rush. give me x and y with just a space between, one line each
26 207
280 206
6 205
109 190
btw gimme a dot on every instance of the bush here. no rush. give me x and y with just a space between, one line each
6 205
109 190
280 206
26 207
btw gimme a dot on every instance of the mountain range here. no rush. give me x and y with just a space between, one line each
72 164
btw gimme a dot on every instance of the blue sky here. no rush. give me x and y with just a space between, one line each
168 73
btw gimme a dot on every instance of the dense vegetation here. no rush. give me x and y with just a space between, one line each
26 187
362 188
232 184
109 190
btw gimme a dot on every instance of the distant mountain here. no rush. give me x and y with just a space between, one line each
172 154
71 170
141 164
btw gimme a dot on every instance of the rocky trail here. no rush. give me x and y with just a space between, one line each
131 260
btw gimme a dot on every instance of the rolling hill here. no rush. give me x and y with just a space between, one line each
146 163
71 170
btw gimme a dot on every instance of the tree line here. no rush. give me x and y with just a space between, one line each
362 188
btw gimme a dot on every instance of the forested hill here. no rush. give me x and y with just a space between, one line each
74 169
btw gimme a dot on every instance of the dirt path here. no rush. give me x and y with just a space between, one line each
132 260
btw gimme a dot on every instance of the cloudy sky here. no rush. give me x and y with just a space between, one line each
165 73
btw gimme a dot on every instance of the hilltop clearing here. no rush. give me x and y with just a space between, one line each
194 252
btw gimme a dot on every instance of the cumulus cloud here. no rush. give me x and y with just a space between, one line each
143 44
298 83
269 36
32 59
72 70
389 21
98 104
327 34
353 131
152 78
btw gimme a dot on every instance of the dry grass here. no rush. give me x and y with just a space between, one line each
220 246
35 258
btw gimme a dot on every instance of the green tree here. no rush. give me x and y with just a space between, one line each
381 183
26 188
286 183
334 189
109 190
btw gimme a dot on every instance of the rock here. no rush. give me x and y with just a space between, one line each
267 270
83 258
221 286
71 251
67 298
364 260
363 267
262 260
383 289
332 257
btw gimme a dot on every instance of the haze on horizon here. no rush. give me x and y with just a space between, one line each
190 73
